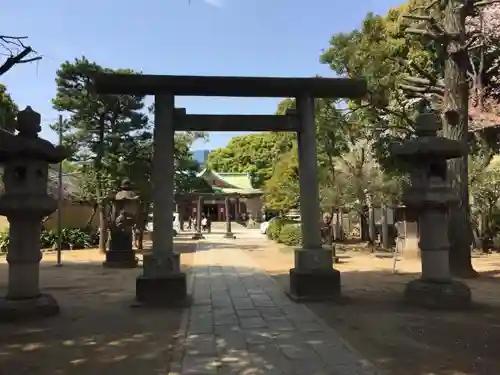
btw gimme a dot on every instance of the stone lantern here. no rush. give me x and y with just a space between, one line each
25 201
125 209
430 195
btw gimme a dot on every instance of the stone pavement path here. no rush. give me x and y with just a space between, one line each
241 322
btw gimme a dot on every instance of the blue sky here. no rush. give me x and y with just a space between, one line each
196 37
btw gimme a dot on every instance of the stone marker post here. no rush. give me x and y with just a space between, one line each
313 277
227 207
26 159
162 282
198 235
430 195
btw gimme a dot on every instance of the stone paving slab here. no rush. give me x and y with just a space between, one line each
242 323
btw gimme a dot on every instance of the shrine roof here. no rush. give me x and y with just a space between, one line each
228 182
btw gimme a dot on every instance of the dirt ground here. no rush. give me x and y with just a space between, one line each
97 331
400 339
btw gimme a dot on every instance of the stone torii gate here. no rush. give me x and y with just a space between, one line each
162 283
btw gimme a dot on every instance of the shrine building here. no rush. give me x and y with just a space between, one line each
244 199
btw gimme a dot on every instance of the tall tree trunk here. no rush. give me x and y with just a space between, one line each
91 218
103 226
101 201
364 229
456 127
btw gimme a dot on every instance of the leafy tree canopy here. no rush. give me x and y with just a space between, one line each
8 109
255 154
282 189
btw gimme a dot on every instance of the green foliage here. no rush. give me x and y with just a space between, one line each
255 154
48 239
74 238
4 241
381 53
274 228
100 129
484 189
281 191
8 109
111 137
186 180
291 235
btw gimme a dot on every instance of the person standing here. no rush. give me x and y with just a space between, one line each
204 223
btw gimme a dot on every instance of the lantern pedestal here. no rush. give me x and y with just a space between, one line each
120 253
430 195
43 306
438 295
25 159
120 259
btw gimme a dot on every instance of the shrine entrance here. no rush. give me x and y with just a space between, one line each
313 275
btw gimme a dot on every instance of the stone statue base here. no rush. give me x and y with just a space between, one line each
442 295
314 285
120 259
162 284
121 241
12 310
314 278
197 236
165 291
229 235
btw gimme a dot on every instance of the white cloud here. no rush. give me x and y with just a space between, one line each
215 3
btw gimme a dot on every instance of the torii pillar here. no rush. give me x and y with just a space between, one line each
313 277
162 283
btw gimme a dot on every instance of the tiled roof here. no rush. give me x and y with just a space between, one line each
232 182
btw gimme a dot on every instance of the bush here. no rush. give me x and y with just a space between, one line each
290 235
74 238
4 241
48 239
274 229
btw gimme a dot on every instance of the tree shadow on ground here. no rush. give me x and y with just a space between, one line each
400 339
96 333
227 245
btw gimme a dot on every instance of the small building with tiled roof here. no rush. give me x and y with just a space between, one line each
245 199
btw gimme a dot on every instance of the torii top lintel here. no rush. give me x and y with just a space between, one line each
272 87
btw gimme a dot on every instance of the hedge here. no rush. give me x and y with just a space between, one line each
290 235
74 238
274 229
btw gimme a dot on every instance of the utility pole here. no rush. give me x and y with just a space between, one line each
60 199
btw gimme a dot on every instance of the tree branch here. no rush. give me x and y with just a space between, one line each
423 32
477 4
427 7
15 58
